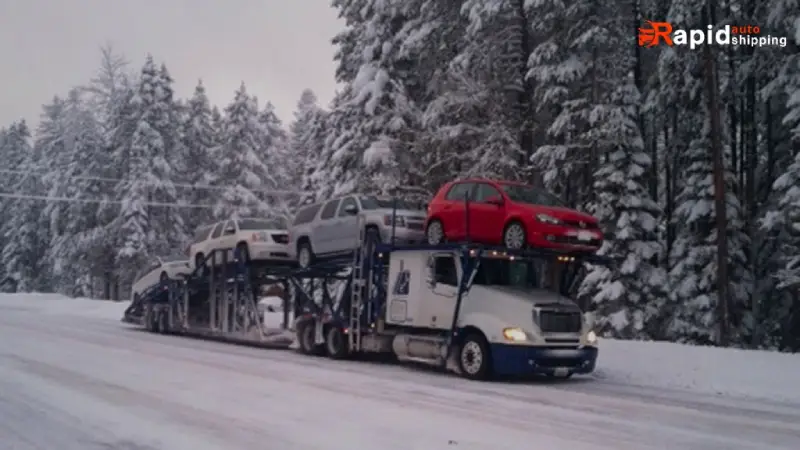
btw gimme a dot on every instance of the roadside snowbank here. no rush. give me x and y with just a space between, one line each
658 365
707 370
61 305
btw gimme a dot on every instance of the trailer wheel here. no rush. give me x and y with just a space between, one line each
336 343
163 323
305 336
147 318
474 358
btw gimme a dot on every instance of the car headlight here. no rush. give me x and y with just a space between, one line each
591 338
515 334
544 218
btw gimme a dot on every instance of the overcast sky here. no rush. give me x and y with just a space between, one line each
277 47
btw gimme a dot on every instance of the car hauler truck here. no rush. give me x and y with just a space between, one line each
476 310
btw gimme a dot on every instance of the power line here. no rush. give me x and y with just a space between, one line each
178 185
49 198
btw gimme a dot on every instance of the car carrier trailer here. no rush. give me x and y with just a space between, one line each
477 310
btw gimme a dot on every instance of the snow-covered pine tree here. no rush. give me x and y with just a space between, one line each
490 97
24 243
72 147
109 84
217 123
166 120
147 228
273 151
579 60
630 298
200 140
776 324
106 239
306 145
694 271
242 175
373 151
693 257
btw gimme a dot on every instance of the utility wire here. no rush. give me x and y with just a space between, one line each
49 198
178 185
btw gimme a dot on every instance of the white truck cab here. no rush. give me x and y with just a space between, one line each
509 323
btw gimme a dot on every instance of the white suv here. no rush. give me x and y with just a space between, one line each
159 271
256 239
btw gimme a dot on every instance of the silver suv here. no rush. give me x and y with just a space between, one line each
330 229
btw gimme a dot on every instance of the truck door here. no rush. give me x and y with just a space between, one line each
445 276
437 308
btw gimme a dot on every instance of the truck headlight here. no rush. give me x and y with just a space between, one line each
514 334
591 338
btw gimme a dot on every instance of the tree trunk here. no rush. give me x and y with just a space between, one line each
719 194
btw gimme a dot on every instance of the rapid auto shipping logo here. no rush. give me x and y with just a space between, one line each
655 33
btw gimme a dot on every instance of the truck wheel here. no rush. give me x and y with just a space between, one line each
153 319
163 323
305 337
336 343
474 359
147 318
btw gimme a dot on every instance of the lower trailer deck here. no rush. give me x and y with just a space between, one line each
222 301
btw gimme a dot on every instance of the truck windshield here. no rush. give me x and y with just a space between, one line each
372 202
504 272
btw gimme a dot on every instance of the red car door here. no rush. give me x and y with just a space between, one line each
487 214
452 211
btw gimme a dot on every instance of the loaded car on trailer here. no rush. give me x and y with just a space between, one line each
510 214
256 239
330 229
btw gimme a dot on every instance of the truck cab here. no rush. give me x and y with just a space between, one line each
512 315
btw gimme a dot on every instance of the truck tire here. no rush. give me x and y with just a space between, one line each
163 322
147 318
474 359
305 337
336 343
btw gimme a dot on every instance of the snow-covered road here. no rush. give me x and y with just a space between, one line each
84 381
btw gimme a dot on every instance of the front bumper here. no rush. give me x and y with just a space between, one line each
519 360
269 251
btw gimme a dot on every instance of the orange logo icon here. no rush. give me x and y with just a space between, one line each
652 35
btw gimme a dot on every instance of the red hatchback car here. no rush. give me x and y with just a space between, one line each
510 214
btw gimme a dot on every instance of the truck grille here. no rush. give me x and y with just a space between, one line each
559 321
281 238
414 225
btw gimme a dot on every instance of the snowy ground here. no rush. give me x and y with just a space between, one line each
73 377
